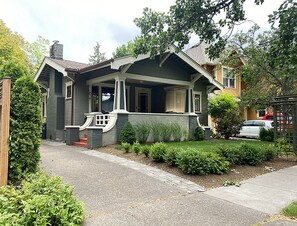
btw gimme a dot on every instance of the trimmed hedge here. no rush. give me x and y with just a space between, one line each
127 134
199 134
170 156
25 129
157 151
40 200
195 162
246 154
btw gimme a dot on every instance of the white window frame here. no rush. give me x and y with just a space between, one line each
258 111
200 107
67 84
228 85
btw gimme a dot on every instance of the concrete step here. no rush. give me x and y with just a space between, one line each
80 144
83 140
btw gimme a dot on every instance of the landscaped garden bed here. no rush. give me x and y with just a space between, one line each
213 153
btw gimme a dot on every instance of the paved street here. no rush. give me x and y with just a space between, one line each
121 192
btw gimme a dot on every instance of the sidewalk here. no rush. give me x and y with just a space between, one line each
121 192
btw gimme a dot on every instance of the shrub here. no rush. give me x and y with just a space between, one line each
157 152
269 153
195 162
251 155
171 156
224 109
126 146
136 147
145 150
266 135
40 200
199 134
127 134
25 129
291 210
232 155
142 131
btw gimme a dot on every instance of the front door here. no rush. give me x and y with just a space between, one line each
142 99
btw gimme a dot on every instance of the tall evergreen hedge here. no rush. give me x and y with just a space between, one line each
25 129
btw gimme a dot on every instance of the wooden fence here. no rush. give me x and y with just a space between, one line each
4 128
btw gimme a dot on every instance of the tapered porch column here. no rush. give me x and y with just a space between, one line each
120 94
189 100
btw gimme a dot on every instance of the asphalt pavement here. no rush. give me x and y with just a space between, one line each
116 191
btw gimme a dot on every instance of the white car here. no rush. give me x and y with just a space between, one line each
251 128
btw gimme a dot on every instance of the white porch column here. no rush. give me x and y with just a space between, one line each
120 94
191 108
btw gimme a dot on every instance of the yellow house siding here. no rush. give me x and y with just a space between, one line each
236 92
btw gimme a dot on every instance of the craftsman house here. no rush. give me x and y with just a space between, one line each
82 99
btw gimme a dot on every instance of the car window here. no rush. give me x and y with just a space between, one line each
248 123
256 123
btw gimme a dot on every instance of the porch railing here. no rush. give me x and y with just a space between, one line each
102 120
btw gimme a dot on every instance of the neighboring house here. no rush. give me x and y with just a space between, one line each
232 84
168 88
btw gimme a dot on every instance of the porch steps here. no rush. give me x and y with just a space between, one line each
83 142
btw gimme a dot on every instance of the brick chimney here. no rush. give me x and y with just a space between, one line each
56 50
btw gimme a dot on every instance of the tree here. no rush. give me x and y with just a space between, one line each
11 45
36 51
25 129
269 68
160 30
98 56
124 50
225 111
14 70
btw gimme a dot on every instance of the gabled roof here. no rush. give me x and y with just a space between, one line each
197 53
68 64
65 66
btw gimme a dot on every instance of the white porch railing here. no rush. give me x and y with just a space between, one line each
106 121
102 120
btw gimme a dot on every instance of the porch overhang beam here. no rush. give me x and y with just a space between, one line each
196 77
156 79
164 58
103 78
125 68
210 88
117 63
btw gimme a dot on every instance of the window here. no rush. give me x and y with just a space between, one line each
176 100
44 102
197 102
68 90
228 78
261 113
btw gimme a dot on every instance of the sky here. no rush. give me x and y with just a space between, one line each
79 24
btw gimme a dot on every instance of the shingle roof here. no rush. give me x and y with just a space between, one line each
198 54
68 64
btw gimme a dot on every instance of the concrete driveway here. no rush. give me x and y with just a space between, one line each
120 192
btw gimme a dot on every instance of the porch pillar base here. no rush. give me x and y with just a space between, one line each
192 126
121 120
72 134
94 137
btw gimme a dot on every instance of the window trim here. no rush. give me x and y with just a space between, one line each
228 86
258 111
67 84
200 107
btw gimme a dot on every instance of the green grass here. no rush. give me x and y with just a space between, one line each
291 210
211 145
